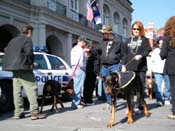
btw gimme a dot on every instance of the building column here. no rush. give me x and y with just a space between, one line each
100 6
69 47
39 34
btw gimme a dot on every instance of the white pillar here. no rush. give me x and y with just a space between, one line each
39 34
69 47
42 34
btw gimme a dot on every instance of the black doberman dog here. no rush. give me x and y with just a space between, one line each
123 84
53 89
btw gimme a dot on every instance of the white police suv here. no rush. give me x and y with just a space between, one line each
46 67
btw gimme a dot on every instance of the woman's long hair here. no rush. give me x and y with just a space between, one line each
170 30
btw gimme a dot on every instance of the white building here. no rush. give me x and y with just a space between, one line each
58 23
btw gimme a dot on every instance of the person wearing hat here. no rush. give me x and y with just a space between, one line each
78 63
110 51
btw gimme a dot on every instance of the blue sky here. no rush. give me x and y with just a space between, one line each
157 11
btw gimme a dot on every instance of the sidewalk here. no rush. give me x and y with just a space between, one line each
92 118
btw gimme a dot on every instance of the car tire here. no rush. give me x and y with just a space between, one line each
6 98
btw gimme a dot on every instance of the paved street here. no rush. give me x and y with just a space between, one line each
92 118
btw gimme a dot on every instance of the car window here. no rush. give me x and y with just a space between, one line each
40 62
56 63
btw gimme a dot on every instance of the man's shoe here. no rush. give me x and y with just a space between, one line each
77 107
159 103
21 116
167 103
80 106
90 104
171 117
82 103
38 116
73 107
137 111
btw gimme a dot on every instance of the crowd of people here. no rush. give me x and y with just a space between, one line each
113 55
92 62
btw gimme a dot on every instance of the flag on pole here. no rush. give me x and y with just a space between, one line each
89 11
96 13
93 13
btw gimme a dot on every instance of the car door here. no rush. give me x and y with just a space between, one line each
41 71
60 70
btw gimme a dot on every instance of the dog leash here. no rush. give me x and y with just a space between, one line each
129 61
73 73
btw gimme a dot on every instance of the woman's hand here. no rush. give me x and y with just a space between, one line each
123 68
138 57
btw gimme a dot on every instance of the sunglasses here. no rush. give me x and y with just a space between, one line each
136 29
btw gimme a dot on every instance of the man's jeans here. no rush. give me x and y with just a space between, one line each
101 93
159 78
78 81
105 71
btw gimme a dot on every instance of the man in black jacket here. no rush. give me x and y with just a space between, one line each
19 59
110 51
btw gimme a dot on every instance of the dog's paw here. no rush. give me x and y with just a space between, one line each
147 114
110 125
130 121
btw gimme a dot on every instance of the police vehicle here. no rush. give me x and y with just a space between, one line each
46 67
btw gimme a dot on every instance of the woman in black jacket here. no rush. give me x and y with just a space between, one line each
136 49
168 53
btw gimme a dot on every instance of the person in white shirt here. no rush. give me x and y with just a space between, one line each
157 67
78 63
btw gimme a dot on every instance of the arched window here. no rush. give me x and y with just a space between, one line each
125 27
116 23
106 15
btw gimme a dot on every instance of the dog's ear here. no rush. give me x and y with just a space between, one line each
115 76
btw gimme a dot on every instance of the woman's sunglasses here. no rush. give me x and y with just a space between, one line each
136 29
